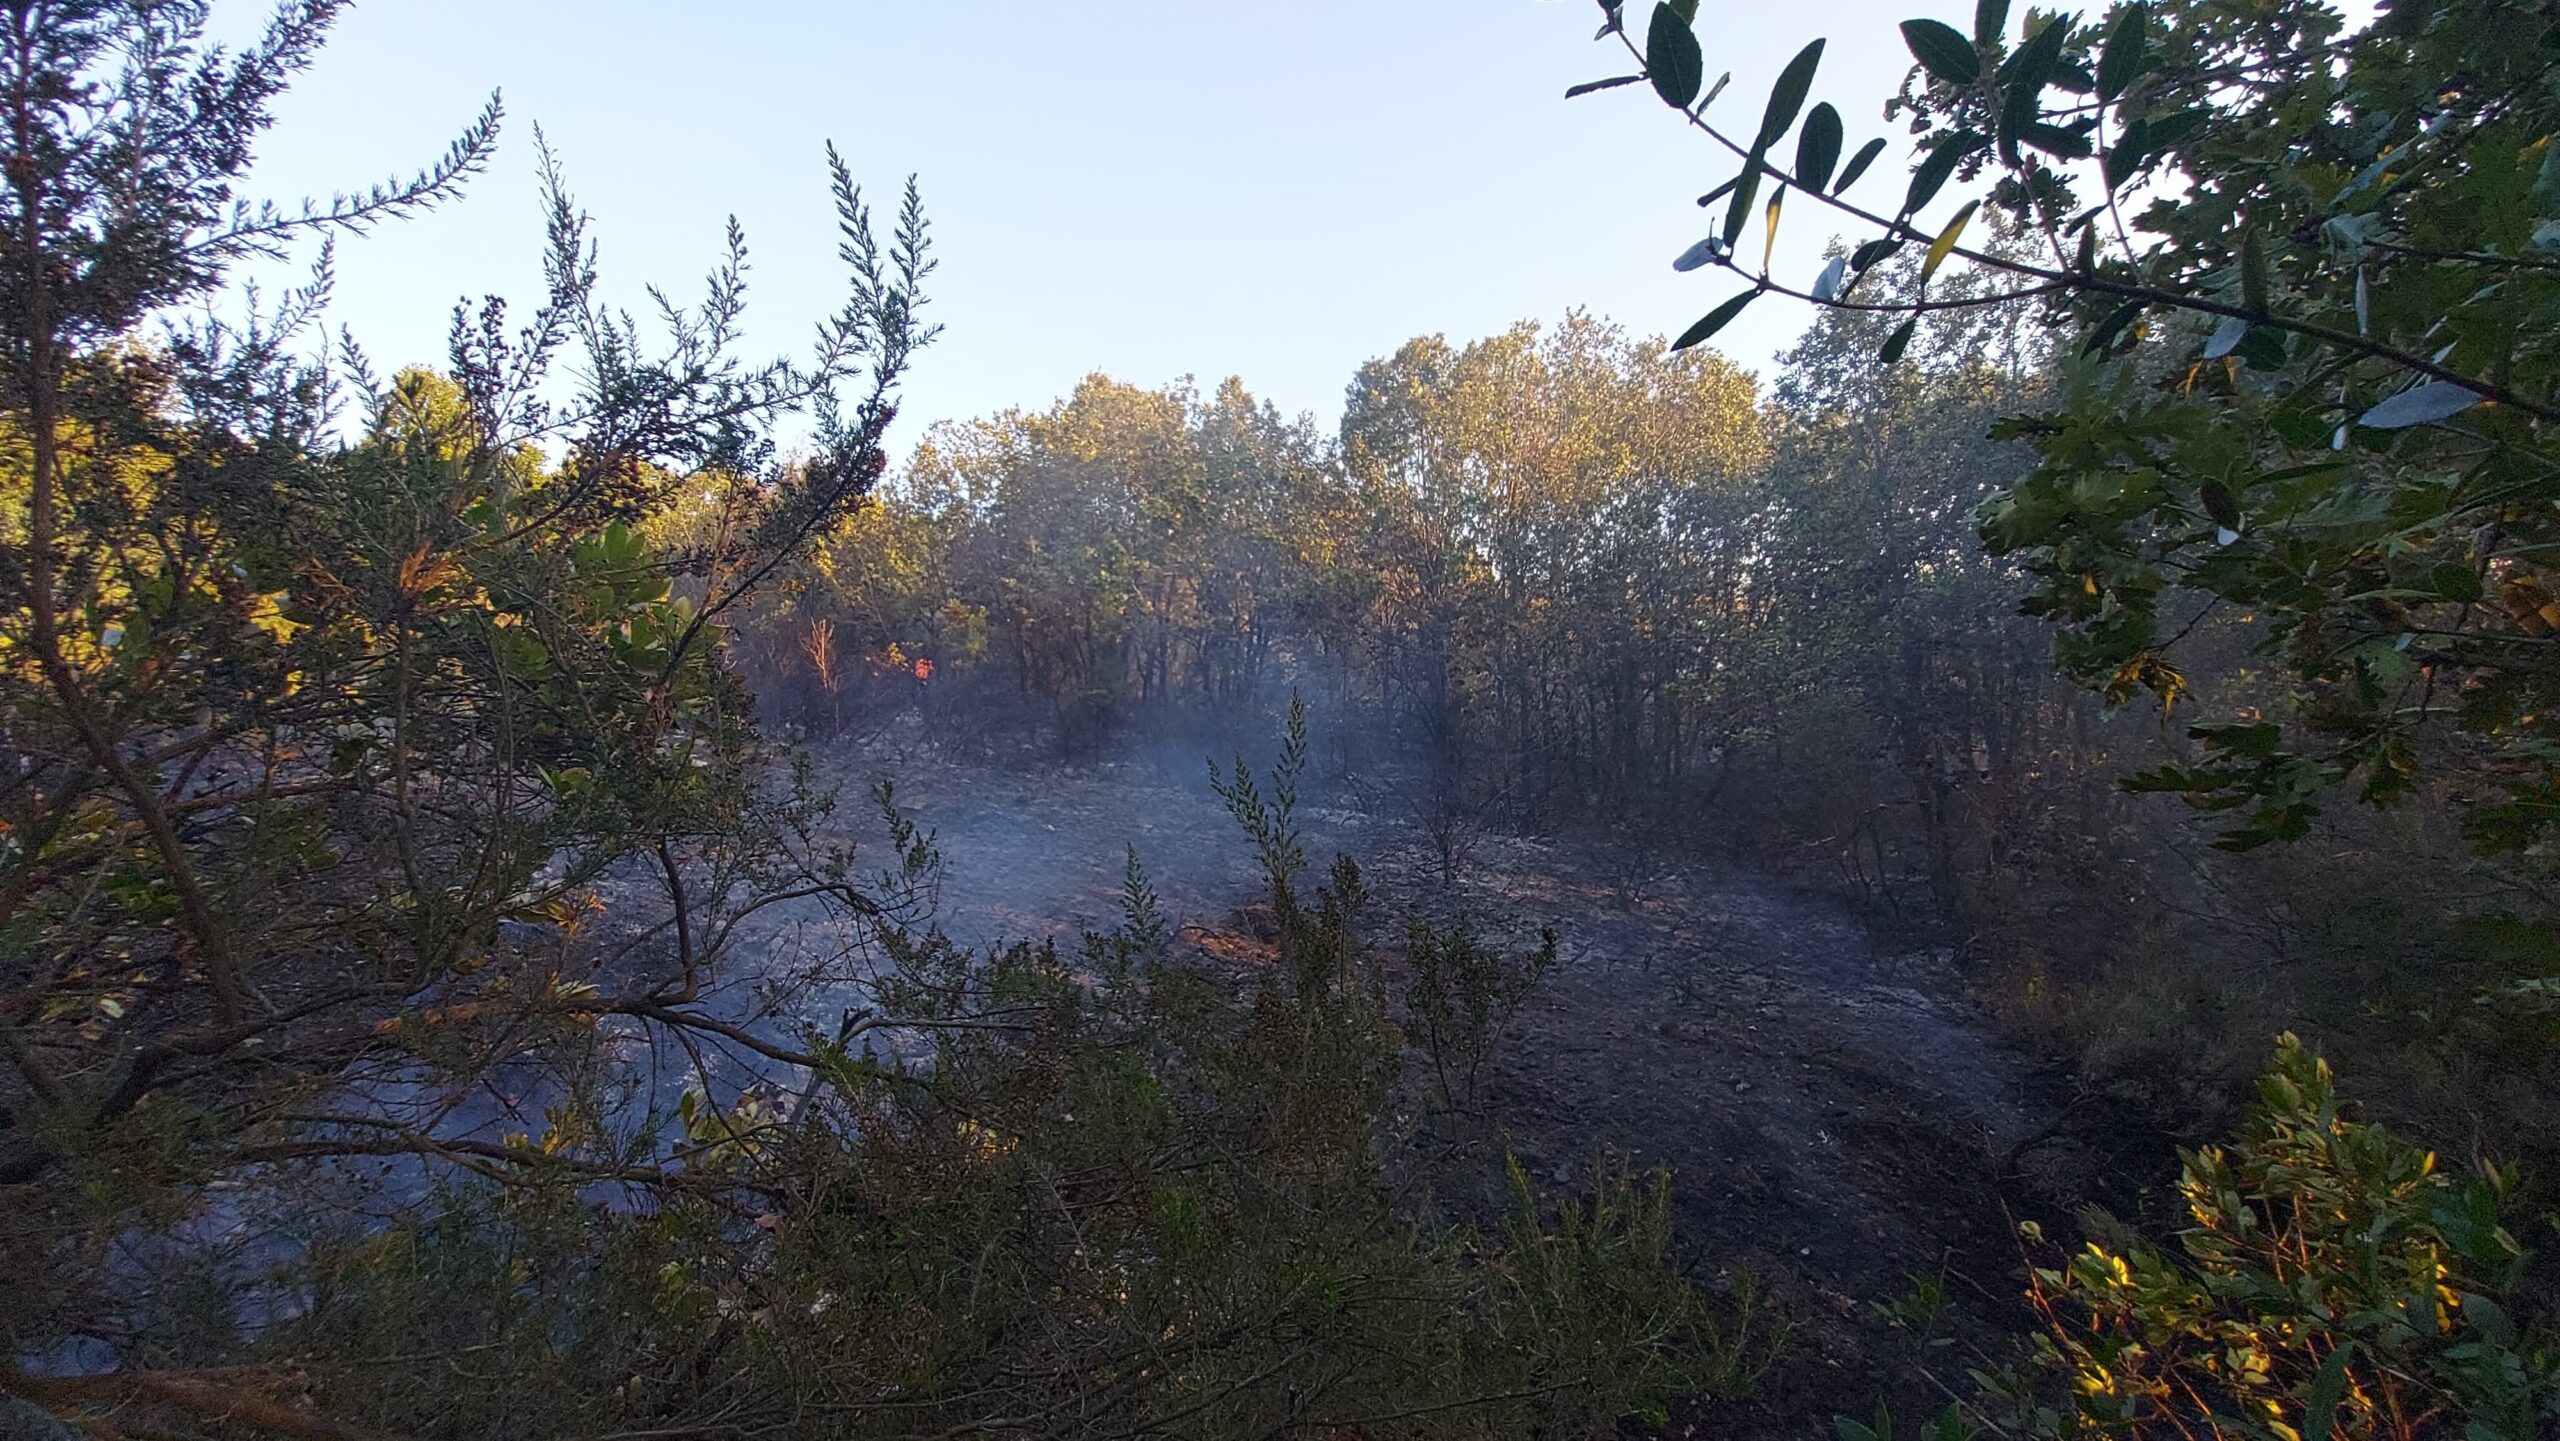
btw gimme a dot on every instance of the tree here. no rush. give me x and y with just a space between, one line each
1129 556
1552 566
322 744
1909 714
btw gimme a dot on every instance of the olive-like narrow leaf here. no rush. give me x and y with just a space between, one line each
2034 62
1737 212
1942 51
2113 326
1818 147
1612 83
1826 286
2263 348
2434 400
2253 272
1687 10
1934 172
2118 162
2128 43
2022 82
2055 140
1990 20
1899 341
1858 164
1672 58
2220 504
1871 252
2364 304
2328 1389
1715 320
1702 253
1787 96
1719 193
1945 244
1769 247
2226 337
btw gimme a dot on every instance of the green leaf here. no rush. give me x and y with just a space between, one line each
2121 62
2113 326
1746 188
1934 172
1858 164
1787 96
2263 348
1818 148
2489 1319
2034 62
1942 51
1720 192
1899 341
2220 504
2055 140
1945 244
1672 58
2119 162
2253 272
1874 250
2022 81
2146 139
2456 582
1612 83
1715 320
2320 1413
1769 248
1990 21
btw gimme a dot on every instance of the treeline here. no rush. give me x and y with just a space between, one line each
1568 576
1563 578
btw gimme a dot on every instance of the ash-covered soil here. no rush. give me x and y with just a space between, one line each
1836 1115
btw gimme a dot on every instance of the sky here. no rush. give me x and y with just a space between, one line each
1148 188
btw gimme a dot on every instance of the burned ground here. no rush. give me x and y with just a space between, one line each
1837 1117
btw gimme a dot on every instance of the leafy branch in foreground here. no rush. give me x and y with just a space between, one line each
2314 276
333 752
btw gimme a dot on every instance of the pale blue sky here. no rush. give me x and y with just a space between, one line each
1151 188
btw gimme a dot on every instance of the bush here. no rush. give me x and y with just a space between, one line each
2333 1282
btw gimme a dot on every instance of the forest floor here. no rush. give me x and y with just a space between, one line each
1838 1119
